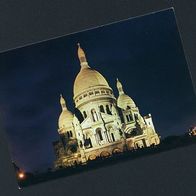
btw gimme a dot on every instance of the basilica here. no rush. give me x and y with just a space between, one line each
101 124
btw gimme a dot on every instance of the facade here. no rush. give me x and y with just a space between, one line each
101 124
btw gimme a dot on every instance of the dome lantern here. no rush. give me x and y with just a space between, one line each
63 103
82 57
119 87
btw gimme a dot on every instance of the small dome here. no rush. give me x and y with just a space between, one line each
88 78
65 119
124 100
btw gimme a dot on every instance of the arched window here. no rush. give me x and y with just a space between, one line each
137 145
90 93
101 108
113 139
108 109
130 117
88 143
99 135
84 114
97 92
136 116
128 107
94 115
70 133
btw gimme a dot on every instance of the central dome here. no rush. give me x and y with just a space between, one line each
88 78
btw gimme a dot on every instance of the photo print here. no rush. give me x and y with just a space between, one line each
96 97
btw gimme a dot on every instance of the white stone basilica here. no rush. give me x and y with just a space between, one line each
102 125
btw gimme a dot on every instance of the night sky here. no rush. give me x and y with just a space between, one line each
145 53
